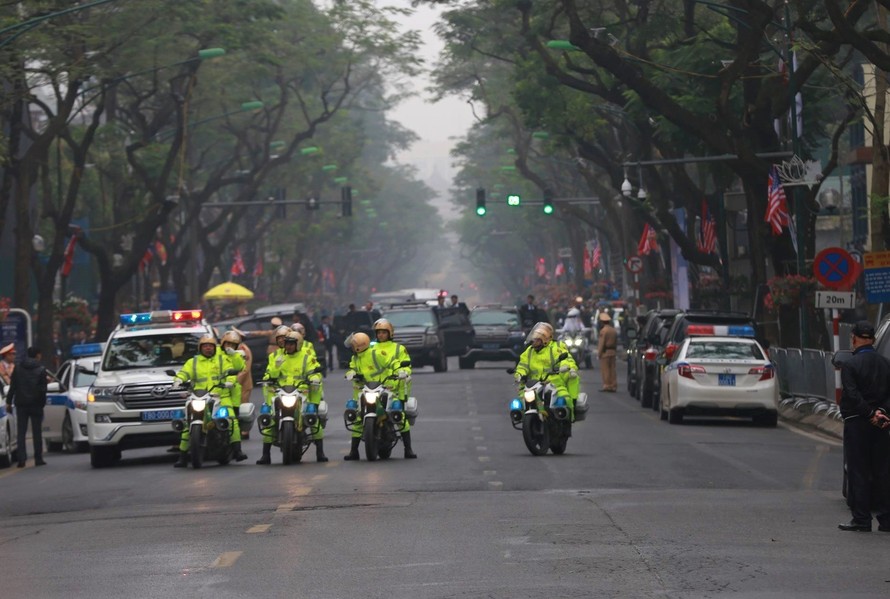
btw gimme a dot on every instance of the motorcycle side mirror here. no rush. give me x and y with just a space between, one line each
405 363
511 371
232 371
170 372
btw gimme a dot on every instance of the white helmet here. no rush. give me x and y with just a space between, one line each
573 313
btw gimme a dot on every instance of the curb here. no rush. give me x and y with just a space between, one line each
815 413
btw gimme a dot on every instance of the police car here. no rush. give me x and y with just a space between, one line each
720 371
65 415
131 403
8 444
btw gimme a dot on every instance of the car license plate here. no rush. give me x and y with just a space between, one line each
156 415
726 380
490 346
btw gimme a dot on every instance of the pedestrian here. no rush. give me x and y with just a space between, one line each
328 333
606 350
27 392
528 313
7 363
865 404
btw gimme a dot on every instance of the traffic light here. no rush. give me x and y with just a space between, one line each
548 203
513 199
480 202
279 194
346 200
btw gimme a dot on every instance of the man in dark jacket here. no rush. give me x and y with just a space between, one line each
865 379
28 392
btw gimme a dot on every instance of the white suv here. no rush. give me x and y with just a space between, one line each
131 403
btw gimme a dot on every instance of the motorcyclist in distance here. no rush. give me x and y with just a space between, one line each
295 365
207 371
542 356
379 363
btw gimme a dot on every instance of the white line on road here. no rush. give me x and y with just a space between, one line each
489 472
809 475
495 484
481 448
226 559
484 458
259 528
813 436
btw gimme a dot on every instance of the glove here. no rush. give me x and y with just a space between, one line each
517 377
350 374
573 374
228 385
279 361
315 381
176 384
564 368
402 374
230 351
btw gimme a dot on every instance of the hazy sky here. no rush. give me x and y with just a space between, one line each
433 123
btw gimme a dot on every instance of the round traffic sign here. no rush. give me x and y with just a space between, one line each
835 268
634 264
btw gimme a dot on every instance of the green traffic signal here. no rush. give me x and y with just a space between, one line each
480 201
548 208
513 199
480 210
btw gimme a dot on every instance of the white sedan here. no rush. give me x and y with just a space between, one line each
65 415
8 443
720 376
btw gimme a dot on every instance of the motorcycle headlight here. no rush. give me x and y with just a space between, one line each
371 396
198 405
288 401
101 394
529 395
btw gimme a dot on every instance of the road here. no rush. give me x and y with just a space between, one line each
636 508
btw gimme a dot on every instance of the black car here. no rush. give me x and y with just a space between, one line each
429 333
678 332
356 321
642 371
499 335
260 320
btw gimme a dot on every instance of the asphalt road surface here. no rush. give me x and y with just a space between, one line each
636 508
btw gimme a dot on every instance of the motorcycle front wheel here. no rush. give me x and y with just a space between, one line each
387 441
287 443
559 438
369 436
535 434
196 438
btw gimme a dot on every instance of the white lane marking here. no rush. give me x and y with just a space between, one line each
481 448
300 491
813 436
489 472
476 429
809 475
484 458
478 439
259 528
226 560
495 484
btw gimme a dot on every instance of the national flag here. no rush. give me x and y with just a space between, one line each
559 270
777 203
648 241
237 264
597 255
258 267
146 259
540 268
161 252
69 256
707 242
588 266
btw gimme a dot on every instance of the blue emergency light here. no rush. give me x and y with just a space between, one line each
221 412
515 405
161 316
86 349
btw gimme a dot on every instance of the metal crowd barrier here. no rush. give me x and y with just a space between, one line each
804 373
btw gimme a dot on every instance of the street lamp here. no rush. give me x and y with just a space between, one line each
627 187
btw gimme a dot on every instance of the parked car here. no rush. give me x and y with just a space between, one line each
714 375
357 321
498 335
65 415
678 333
642 370
260 320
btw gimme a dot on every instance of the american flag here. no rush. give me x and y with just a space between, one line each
777 204
707 242
238 264
597 255
648 242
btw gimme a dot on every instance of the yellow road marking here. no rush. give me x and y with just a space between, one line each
285 507
300 491
809 475
259 528
226 559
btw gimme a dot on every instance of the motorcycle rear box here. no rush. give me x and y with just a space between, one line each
581 407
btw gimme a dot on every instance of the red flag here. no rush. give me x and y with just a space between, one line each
648 242
238 264
588 266
707 242
69 256
146 259
777 204
258 267
161 252
597 255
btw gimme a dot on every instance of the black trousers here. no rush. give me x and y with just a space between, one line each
24 414
867 452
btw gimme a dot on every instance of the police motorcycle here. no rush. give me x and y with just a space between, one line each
542 416
209 423
578 345
382 414
294 416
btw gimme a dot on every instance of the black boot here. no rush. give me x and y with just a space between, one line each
406 439
239 455
267 455
353 451
183 460
319 451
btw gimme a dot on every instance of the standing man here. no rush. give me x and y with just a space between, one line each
865 402
528 313
328 333
28 392
606 349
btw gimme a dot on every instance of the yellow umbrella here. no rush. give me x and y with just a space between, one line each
228 290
